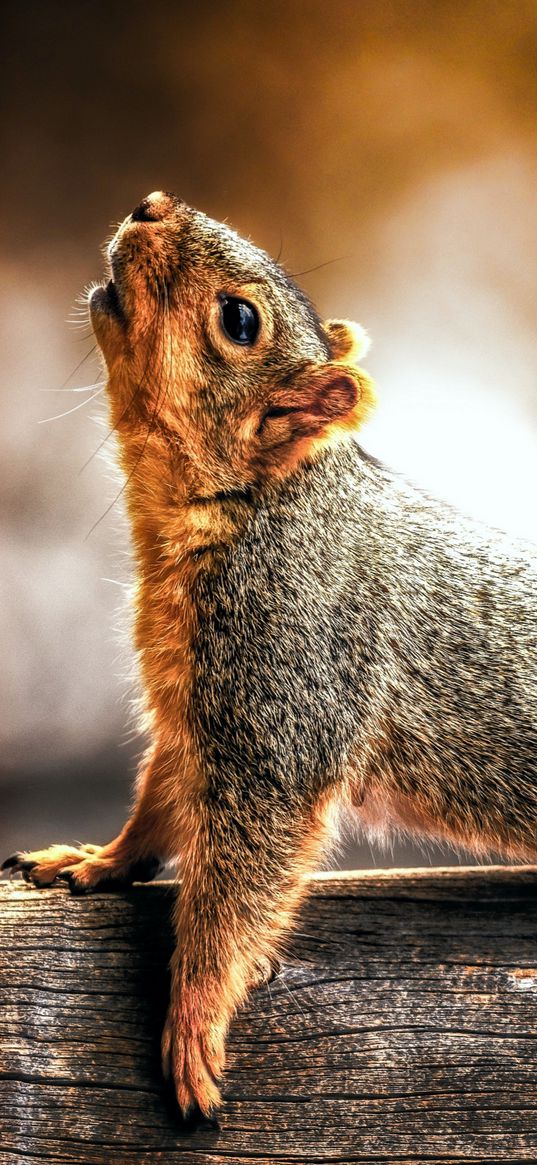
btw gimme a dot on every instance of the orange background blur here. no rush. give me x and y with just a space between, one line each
392 143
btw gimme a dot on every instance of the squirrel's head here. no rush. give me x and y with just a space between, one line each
213 351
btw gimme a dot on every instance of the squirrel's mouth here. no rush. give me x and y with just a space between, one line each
104 302
112 299
105 299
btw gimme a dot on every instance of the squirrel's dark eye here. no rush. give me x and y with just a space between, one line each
240 320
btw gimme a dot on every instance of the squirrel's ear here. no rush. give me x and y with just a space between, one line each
348 341
320 399
336 394
319 406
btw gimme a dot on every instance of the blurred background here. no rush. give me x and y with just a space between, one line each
391 147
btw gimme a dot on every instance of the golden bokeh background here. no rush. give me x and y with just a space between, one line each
390 147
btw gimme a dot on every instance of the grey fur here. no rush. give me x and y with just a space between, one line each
359 625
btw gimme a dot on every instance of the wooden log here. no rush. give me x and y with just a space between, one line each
402 1028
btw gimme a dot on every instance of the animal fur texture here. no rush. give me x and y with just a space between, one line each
313 633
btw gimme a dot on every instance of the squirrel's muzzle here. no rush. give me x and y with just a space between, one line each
133 244
156 207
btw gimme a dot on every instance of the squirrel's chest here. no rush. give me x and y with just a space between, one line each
165 631
271 691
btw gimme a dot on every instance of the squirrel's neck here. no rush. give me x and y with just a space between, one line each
176 532
174 513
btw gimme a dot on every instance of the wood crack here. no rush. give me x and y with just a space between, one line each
401 1031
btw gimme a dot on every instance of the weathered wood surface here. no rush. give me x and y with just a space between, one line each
402 1029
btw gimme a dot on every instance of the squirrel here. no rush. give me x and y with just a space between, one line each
313 633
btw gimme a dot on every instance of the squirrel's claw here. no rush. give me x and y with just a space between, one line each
12 862
76 888
194 1120
18 864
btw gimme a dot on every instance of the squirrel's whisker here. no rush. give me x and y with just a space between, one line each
84 388
79 365
74 409
138 389
318 267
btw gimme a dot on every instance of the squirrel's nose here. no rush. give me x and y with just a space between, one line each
157 206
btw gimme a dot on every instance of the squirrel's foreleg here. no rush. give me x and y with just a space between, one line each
242 880
148 839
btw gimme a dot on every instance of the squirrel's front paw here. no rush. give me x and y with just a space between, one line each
194 1059
42 867
85 869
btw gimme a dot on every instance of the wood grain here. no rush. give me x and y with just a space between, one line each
402 1029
